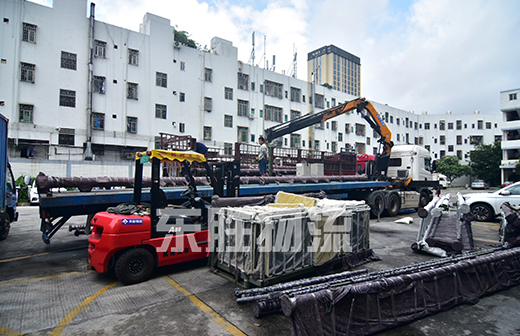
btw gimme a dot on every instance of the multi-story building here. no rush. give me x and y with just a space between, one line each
335 67
510 107
71 84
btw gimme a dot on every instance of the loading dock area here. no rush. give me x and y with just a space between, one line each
49 290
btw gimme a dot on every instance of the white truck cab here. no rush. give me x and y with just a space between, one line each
410 161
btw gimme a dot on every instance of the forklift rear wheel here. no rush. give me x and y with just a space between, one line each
134 266
5 227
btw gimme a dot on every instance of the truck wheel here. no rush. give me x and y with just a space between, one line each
482 212
424 199
5 227
394 205
376 201
134 266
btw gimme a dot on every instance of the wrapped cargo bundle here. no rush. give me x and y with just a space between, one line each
277 242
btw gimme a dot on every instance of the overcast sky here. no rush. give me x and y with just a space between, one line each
420 55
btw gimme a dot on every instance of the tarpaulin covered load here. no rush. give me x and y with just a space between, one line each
259 244
362 308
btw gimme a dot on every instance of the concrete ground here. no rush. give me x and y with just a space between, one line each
49 290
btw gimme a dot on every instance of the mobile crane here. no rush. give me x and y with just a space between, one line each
408 168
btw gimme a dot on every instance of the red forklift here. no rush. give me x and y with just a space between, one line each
134 238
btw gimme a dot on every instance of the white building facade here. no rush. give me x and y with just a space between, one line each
510 107
144 84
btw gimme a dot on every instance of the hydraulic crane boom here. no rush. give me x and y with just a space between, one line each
363 107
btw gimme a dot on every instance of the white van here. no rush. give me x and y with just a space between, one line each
443 180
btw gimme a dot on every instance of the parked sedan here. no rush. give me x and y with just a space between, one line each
486 206
479 184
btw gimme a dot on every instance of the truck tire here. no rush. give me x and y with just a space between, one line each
424 199
482 212
393 205
5 227
134 266
376 201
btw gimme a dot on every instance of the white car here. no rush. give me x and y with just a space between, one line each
486 206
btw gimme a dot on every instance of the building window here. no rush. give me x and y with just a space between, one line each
334 125
512 96
182 127
317 145
243 81
459 154
66 136
459 139
68 60
26 113
27 73
348 129
273 89
182 97
488 125
29 33
100 49
498 138
450 148
207 132
160 111
228 148
360 129
242 134
319 101
368 141
131 90
442 125
476 139
442 140
67 98
295 140
295 94
450 126
161 79
243 107
99 84
295 114
480 124
98 121
208 104
228 93
208 74
340 137
183 66
443 154
334 146
131 124
228 120
459 124
252 86
273 113
426 126
398 121
133 57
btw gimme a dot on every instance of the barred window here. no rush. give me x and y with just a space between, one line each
340 136
100 49
182 97
26 113
99 84
131 124
243 107
208 104
273 89
228 148
67 98
98 121
319 100
295 94
29 32
68 60
243 134
207 132
66 136
442 139
182 127
295 114
334 146
228 93
334 125
160 111
243 81
133 57
131 90
273 113
183 66
295 140
228 120
208 74
161 79
27 74
360 129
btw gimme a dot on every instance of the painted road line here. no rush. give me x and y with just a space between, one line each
40 278
9 332
206 309
42 254
72 314
487 240
489 226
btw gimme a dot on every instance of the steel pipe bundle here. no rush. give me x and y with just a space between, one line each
510 228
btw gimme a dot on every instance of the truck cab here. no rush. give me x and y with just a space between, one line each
8 196
410 163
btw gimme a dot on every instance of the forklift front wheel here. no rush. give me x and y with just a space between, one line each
134 266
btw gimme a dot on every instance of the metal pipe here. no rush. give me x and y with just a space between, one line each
88 155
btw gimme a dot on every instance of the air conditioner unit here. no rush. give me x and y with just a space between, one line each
176 44
127 155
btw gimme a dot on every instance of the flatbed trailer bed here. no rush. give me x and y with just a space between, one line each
57 208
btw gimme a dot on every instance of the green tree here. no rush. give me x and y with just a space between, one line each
485 162
183 37
327 85
450 166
